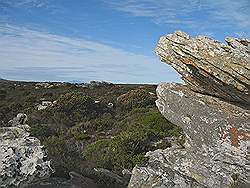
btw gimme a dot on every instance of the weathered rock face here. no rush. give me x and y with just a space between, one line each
22 158
208 66
216 151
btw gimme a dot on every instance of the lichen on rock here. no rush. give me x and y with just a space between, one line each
216 148
208 66
22 157
212 108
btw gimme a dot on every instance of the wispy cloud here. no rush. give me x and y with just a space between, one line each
11 6
5 4
187 12
28 49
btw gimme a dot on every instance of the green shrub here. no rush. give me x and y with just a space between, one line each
76 107
75 102
105 122
125 149
78 134
2 96
98 154
63 154
129 147
31 99
159 125
115 154
41 131
3 92
137 98
139 159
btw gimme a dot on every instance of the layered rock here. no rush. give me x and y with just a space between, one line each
208 66
217 131
22 157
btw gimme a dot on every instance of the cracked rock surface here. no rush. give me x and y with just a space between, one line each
216 152
22 158
208 66
212 108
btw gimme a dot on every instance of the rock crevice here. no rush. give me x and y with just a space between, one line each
212 108
208 66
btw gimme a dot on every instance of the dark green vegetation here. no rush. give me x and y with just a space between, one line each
83 130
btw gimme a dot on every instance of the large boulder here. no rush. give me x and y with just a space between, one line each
22 157
208 66
216 152
212 108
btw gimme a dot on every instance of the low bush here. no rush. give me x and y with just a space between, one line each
42 131
78 107
129 147
81 133
63 153
78 133
98 154
136 98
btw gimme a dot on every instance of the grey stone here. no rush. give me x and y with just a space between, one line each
213 110
208 66
22 157
216 151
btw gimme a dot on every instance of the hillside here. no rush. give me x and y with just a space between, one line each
86 126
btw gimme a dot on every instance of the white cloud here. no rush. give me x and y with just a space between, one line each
29 49
185 12
20 3
24 47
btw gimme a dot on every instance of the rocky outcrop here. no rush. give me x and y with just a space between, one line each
208 66
22 158
216 150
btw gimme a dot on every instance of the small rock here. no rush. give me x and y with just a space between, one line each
110 105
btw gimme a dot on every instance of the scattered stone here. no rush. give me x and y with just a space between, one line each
20 119
45 104
151 93
20 122
126 172
110 105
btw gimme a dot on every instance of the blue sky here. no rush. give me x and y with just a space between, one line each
112 40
